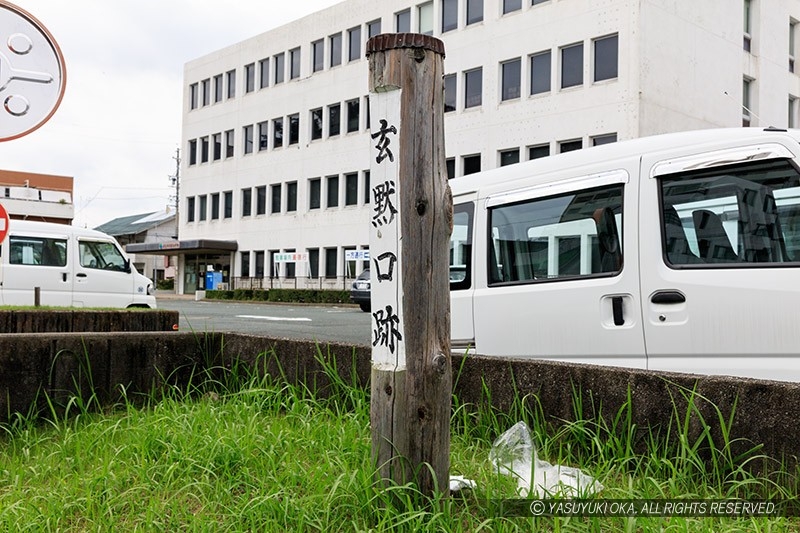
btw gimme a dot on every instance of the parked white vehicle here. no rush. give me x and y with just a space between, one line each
73 267
677 252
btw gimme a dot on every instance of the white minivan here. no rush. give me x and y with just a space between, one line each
72 267
678 252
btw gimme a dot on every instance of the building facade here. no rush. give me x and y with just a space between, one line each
41 197
275 187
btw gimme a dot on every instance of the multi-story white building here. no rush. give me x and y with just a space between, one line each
276 128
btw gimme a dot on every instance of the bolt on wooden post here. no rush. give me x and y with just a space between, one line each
412 214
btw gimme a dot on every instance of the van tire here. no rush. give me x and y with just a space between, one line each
365 307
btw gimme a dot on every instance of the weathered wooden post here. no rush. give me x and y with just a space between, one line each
409 242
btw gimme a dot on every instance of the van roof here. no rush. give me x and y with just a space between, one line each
19 226
696 141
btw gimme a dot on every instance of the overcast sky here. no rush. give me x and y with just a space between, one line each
119 124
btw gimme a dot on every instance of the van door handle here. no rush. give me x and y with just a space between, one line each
81 275
616 310
64 277
668 297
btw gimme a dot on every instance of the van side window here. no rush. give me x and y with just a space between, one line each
732 216
558 237
461 247
101 255
38 251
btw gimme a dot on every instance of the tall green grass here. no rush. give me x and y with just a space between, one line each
240 450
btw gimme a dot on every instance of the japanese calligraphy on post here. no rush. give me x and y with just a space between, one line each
388 347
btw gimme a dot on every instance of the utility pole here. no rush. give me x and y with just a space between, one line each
176 182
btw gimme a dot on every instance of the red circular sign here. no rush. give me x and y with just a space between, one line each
3 223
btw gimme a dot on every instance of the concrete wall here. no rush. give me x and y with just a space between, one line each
105 363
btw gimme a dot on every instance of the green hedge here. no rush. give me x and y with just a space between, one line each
282 295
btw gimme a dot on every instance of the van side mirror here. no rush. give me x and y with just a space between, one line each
128 266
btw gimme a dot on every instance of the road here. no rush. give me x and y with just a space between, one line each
343 324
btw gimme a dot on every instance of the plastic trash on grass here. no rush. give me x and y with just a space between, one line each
514 454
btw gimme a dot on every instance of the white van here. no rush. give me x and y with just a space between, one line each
73 267
677 252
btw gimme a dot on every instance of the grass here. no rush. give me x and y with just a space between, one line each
244 452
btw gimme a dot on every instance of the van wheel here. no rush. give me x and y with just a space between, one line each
365 307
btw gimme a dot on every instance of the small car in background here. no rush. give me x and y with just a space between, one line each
359 293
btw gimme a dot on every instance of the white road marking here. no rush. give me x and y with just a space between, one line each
275 318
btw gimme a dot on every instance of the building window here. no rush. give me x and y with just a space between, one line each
402 21
450 93
353 115
314 193
193 96
247 202
792 122
202 207
244 259
334 119
538 151
509 157
261 200
425 18
511 79
792 32
472 164
291 196
204 150
373 28
217 88
231 84
335 42
277 132
354 43
366 105
367 190
746 96
229 143
280 67
263 135
206 88
313 263
572 65
259 264
332 191
316 124
449 15
217 146
510 6
570 146
317 55
540 72
215 206
190 209
275 207
263 69
473 87
747 25
294 63
193 152
247 133
608 138
250 78
331 257
351 189
606 58
474 11
294 129
450 166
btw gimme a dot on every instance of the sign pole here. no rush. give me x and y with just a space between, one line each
412 216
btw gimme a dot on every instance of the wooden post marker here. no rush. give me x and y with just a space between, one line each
412 215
